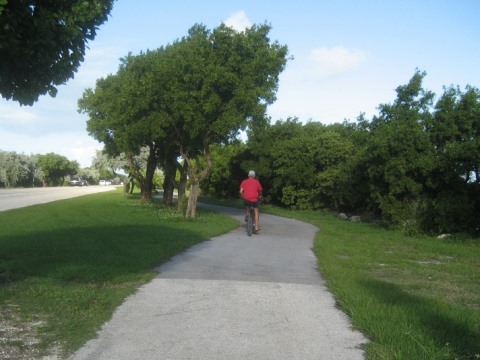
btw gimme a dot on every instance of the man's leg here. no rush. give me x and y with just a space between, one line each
257 219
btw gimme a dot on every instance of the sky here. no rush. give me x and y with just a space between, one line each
349 56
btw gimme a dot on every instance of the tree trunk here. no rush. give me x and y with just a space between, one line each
196 176
192 201
168 191
182 184
169 171
131 182
147 184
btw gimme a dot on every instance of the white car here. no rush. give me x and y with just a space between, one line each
103 182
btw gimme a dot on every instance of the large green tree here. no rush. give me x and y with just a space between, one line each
126 114
42 43
219 82
10 169
399 155
55 168
18 170
349 185
183 98
454 130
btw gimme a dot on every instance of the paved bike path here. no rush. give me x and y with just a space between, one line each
233 297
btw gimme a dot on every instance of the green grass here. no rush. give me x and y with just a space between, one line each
415 298
67 265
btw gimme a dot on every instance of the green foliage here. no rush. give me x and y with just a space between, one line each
420 162
296 199
400 154
186 97
43 43
416 164
2 5
19 170
124 114
405 216
10 169
219 81
303 165
453 211
455 133
224 179
55 168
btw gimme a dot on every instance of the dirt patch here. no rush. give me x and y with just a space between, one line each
430 262
20 340
436 261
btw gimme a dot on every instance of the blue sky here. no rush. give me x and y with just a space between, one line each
349 56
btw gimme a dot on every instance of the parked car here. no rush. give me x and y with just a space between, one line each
105 182
77 181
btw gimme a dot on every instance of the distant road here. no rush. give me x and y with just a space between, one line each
17 198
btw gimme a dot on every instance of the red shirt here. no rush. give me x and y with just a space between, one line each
251 189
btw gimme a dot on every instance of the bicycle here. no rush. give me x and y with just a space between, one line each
250 218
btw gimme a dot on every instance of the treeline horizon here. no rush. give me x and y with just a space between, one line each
415 165
51 169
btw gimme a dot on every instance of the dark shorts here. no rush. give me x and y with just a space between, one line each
250 203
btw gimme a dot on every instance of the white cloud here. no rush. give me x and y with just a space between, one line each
99 62
329 102
238 21
12 113
311 89
82 151
333 61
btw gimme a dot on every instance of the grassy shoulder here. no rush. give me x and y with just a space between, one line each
415 298
65 266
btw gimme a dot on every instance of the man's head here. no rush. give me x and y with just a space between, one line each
251 174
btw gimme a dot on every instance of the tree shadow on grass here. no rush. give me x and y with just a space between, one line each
443 323
91 254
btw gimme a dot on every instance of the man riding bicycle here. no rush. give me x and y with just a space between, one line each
251 192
